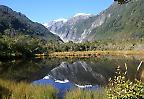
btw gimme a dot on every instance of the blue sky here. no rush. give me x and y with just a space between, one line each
45 10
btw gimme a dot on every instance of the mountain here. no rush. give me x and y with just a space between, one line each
122 22
71 29
57 23
118 22
12 22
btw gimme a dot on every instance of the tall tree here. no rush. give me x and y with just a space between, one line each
122 1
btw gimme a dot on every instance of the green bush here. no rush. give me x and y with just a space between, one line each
121 88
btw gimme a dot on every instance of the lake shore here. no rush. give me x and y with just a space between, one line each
94 53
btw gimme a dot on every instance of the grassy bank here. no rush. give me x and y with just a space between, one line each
94 53
22 90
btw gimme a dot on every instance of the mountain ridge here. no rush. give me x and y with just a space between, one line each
116 22
13 22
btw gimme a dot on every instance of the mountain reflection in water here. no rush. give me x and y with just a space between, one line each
68 76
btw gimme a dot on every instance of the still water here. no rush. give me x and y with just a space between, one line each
66 74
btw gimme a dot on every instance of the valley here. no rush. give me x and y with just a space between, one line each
84 56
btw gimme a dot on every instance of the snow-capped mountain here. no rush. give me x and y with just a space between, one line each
66 28
55 22
78 28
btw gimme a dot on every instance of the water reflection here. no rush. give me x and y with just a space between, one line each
88 74
78 72
25 70
68 76
65 74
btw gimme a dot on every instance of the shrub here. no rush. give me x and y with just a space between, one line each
121 88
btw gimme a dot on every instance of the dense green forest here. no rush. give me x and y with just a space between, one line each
20 46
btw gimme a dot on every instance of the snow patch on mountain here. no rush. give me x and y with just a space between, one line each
61 19
82 14
51 23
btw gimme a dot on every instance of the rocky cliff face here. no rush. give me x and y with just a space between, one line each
78 28
72 29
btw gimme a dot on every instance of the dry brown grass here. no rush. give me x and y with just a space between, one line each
94 53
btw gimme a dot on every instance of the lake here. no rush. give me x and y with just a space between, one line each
65 74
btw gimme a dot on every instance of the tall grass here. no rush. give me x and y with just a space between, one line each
86 94
22 90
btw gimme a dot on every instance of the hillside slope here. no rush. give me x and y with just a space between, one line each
125 22
12 23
